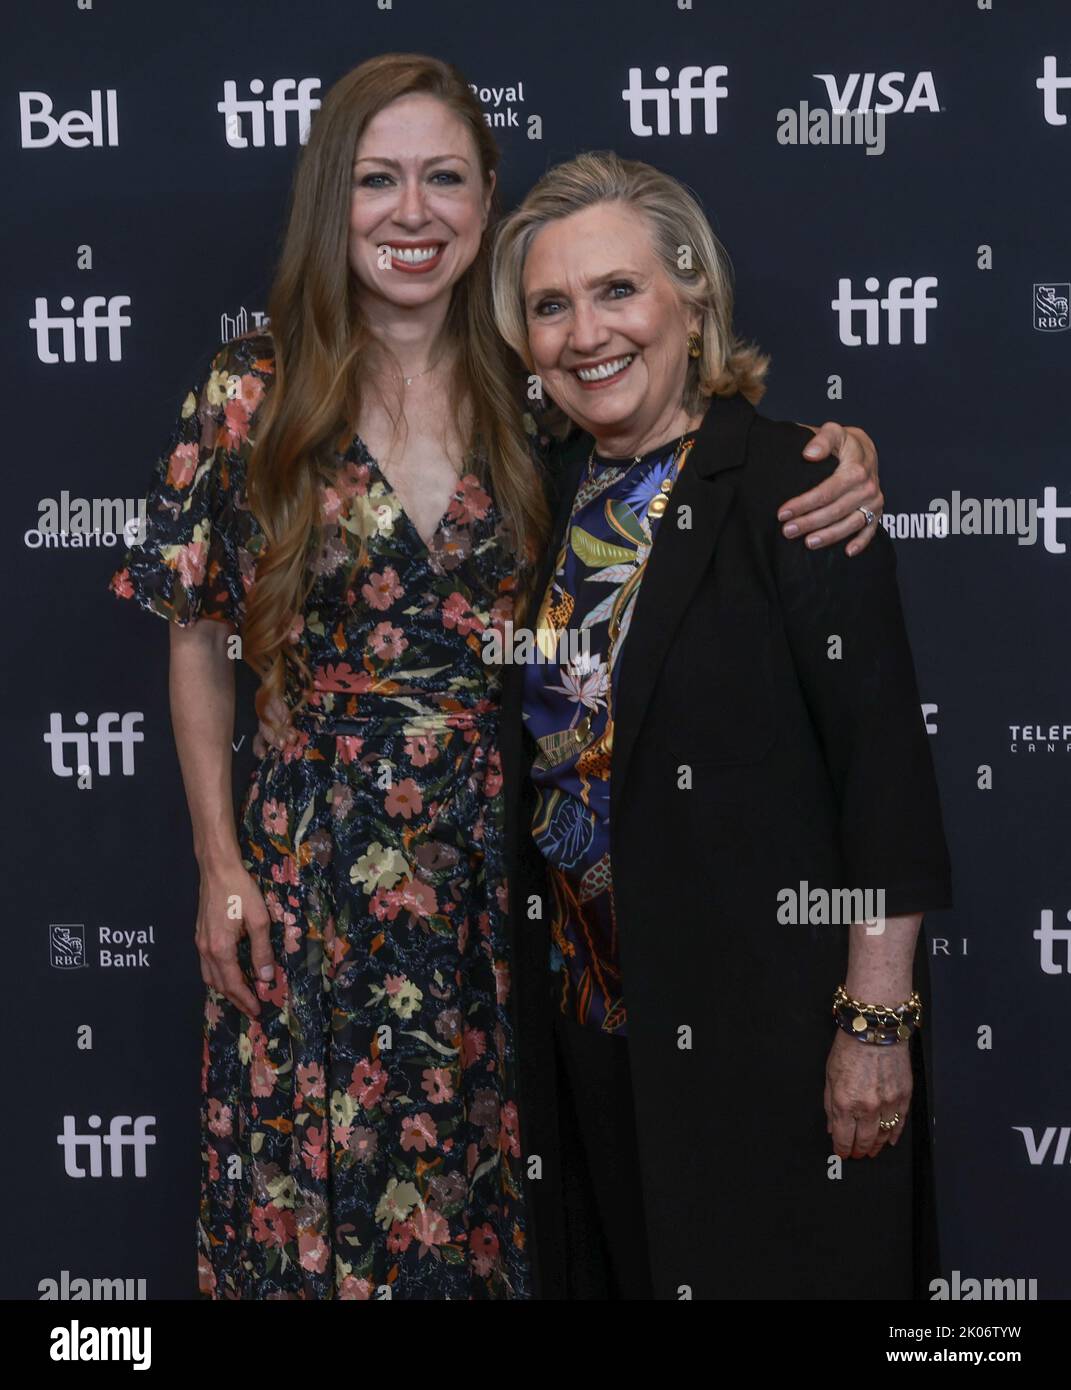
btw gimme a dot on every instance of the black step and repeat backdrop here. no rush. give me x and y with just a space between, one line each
912 277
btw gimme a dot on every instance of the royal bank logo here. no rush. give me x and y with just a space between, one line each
1050 307
67 945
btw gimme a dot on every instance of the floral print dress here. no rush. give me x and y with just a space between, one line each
360 1137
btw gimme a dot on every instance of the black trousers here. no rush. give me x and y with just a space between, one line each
605 1232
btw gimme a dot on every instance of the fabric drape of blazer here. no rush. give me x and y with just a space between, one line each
803 769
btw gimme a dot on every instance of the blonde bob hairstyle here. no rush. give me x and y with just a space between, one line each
678 224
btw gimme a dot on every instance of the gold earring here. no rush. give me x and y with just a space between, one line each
695 345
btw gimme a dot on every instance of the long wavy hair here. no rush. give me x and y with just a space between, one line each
322 350
703 279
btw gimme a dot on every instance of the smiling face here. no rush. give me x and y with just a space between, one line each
607 329
418 191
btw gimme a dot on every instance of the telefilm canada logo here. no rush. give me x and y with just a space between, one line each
1039 738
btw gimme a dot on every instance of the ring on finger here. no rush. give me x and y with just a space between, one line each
868 514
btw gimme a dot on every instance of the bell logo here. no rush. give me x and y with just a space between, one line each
860 85
124 1132
904 293
685 94
75 129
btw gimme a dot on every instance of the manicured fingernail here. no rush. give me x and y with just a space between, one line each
853 550
266 972
811 449
784 514
792 529
812 541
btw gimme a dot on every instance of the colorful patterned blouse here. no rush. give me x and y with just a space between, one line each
568 707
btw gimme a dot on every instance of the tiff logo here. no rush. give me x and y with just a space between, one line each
115 1141
1048 936
279 104
104 736
91 321
685 94
904 293
76 129
1050 85
1050 514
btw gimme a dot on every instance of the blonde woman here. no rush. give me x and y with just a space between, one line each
353 495
742 720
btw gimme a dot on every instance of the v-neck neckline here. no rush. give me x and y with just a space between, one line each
427 545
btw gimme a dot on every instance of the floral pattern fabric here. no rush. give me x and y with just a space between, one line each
568 709
360 1137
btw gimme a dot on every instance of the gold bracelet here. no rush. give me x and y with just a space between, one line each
878 1023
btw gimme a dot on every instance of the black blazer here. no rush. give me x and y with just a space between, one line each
802 769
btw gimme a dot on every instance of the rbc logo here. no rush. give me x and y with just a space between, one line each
1050 307
67 945
104 736
76 129
685 93
115 1141
904 293
304 103
1050 85
91 321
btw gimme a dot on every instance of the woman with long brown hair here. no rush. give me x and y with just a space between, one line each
365 462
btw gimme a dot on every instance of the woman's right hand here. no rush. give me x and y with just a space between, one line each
231 906
275 731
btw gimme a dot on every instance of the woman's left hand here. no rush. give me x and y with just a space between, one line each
830 512
865 1083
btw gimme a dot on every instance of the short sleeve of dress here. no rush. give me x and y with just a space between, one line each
195 554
